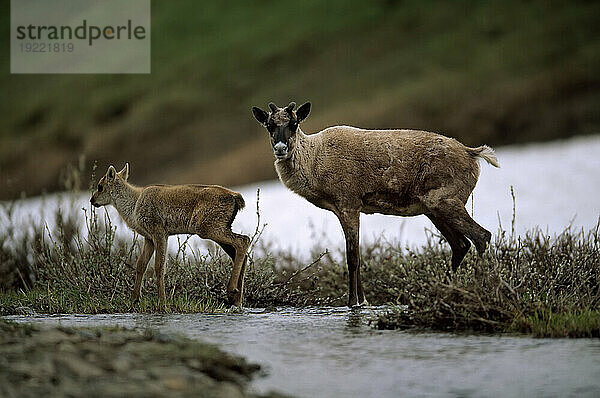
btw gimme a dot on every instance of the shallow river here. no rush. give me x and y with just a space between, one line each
332 352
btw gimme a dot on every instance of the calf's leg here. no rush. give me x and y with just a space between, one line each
237 274
227 239
230 250
160 244
240 283
140 268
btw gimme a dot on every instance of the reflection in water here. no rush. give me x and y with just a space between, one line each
332 352
355 319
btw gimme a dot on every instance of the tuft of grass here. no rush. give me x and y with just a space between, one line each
542 323
54 301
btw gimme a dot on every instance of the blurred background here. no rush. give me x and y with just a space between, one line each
484 72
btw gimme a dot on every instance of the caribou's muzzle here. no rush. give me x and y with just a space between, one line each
280 150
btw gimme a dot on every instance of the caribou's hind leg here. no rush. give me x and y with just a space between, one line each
458 242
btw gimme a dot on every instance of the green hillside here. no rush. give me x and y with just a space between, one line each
484 72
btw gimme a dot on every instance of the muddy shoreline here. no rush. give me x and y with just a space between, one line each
111 362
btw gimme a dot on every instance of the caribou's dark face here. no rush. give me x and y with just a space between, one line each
282 124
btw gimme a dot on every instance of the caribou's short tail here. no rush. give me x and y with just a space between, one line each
486 153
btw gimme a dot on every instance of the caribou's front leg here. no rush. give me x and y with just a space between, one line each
350 221
359 289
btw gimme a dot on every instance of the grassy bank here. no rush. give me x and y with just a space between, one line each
483 72
534 284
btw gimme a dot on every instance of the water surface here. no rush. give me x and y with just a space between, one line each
332 352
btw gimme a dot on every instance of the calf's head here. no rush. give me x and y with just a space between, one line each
282 124
109 185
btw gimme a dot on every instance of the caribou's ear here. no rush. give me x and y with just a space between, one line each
111 173
125 172
302 112
260 115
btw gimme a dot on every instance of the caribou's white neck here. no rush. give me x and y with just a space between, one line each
298 148
293 169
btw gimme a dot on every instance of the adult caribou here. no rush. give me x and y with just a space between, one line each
349 170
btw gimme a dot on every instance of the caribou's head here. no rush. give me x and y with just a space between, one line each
282 124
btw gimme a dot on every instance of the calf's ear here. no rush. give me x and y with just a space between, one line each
111 173
260 115
302 112
125 172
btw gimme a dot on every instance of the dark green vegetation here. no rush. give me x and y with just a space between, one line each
536 284
484 72
115 362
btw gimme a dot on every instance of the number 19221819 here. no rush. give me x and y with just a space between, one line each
47 47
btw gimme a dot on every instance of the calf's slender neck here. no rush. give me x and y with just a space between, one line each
125 197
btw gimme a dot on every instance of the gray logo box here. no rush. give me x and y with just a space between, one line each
80 36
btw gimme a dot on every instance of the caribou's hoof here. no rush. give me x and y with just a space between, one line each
355 304
235 303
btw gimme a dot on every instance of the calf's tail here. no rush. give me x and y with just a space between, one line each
238 205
